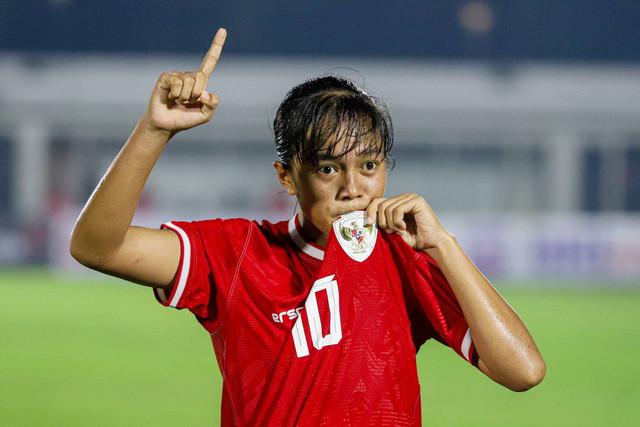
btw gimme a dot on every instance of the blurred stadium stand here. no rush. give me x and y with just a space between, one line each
597 30
519 123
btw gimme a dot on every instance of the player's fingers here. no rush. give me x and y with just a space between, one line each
372 209
171 83
175 85
394 211
199 85
406 204
188 81
393 216
164 81
211 58
383 218
398 212
209 103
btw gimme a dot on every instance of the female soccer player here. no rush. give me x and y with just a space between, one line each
315 320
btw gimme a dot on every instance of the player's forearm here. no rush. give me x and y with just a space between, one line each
508 353
106 218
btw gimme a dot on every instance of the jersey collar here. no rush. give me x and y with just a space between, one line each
309 248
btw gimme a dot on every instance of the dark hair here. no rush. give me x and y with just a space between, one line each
330 108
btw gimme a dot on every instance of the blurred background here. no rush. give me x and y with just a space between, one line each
518 121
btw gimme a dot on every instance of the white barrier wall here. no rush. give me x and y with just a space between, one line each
591 248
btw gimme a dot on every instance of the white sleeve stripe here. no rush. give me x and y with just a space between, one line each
466 345
185 263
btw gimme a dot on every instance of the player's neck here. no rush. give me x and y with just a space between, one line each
310 232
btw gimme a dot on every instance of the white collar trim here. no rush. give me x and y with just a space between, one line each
304 246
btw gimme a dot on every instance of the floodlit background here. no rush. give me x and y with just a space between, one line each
518 121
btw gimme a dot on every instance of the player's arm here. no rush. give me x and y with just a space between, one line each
103 237
507 352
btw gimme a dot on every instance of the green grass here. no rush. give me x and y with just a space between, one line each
94 351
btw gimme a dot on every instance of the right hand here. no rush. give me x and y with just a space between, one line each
180 100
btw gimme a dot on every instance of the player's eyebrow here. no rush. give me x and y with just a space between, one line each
361 154
373 150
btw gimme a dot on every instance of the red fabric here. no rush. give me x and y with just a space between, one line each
261 298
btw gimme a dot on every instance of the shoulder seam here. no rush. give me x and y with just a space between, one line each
236 273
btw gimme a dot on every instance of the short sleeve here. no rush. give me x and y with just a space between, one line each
211 253
433 308
193 288
441 307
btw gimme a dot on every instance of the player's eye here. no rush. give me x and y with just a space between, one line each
326 169
370 165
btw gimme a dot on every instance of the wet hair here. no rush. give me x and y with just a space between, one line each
318 114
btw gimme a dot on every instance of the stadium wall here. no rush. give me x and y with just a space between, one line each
534 166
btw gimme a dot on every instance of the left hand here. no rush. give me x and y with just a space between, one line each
411 217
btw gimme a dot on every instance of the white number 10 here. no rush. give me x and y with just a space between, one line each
313 315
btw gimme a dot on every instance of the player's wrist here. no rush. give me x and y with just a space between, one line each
443 245
149 129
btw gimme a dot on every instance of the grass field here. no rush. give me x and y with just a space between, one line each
98 352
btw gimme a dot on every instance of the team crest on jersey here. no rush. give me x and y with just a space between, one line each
355 236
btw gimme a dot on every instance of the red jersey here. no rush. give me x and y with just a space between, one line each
306 336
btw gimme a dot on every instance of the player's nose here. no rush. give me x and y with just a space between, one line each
350 186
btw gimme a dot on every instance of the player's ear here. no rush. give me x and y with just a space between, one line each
286 180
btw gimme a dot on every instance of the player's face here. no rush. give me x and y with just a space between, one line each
335 186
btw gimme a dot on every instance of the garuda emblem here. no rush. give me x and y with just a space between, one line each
355 236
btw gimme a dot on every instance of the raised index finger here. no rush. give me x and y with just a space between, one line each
211 58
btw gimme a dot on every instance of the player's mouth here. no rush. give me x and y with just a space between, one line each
347 211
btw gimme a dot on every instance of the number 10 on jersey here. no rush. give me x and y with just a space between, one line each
313 316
